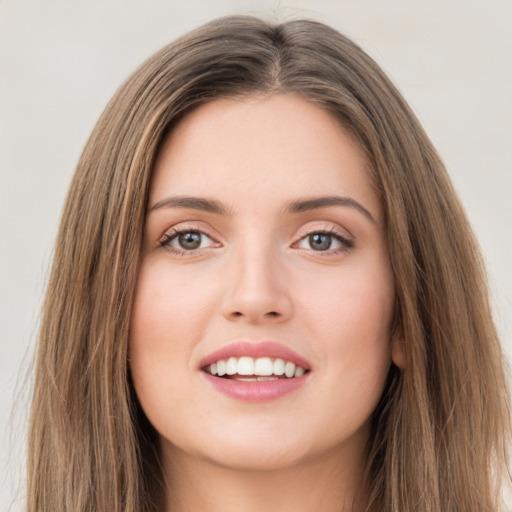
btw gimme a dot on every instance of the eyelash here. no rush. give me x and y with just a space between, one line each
346 243
168 237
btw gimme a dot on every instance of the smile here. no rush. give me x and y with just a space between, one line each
255 372
249 369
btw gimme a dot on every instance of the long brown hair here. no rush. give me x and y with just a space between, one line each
439 434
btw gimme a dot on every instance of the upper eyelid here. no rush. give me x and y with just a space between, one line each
173 231
346 241
304 230
170 235
326 227
185 226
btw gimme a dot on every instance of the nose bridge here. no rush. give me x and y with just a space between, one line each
256 290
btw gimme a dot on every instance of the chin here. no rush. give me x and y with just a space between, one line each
267 448
242 448
255 458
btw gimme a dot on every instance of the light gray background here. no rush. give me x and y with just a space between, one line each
60 62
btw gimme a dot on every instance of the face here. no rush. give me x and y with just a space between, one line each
264 252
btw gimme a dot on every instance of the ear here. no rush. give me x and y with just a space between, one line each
398 349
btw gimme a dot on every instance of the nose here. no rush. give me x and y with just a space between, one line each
256 291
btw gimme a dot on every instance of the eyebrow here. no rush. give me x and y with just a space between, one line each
297 206
192 203
323 202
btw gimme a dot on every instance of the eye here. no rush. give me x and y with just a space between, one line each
185 241
328 241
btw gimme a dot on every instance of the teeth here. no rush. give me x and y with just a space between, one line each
221 367
263 366
245 366
253 379
289 369
279 366
251 369
232 366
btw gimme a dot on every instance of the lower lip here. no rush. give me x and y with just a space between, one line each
255 391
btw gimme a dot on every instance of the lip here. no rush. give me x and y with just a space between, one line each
255 349
255 391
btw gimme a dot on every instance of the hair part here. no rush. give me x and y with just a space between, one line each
439 434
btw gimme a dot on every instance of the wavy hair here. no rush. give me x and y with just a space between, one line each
439 434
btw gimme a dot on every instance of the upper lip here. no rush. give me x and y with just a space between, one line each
255 349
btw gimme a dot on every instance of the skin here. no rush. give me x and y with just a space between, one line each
257 276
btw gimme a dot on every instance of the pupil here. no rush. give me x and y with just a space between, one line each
320 242
190 240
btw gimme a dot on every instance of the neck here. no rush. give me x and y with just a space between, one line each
195 484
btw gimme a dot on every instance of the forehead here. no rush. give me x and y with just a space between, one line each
262 150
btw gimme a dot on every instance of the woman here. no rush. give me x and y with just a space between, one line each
265 294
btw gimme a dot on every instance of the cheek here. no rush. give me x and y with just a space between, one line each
168 309
168 317
357 301
351 317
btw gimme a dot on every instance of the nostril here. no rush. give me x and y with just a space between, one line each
270 313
